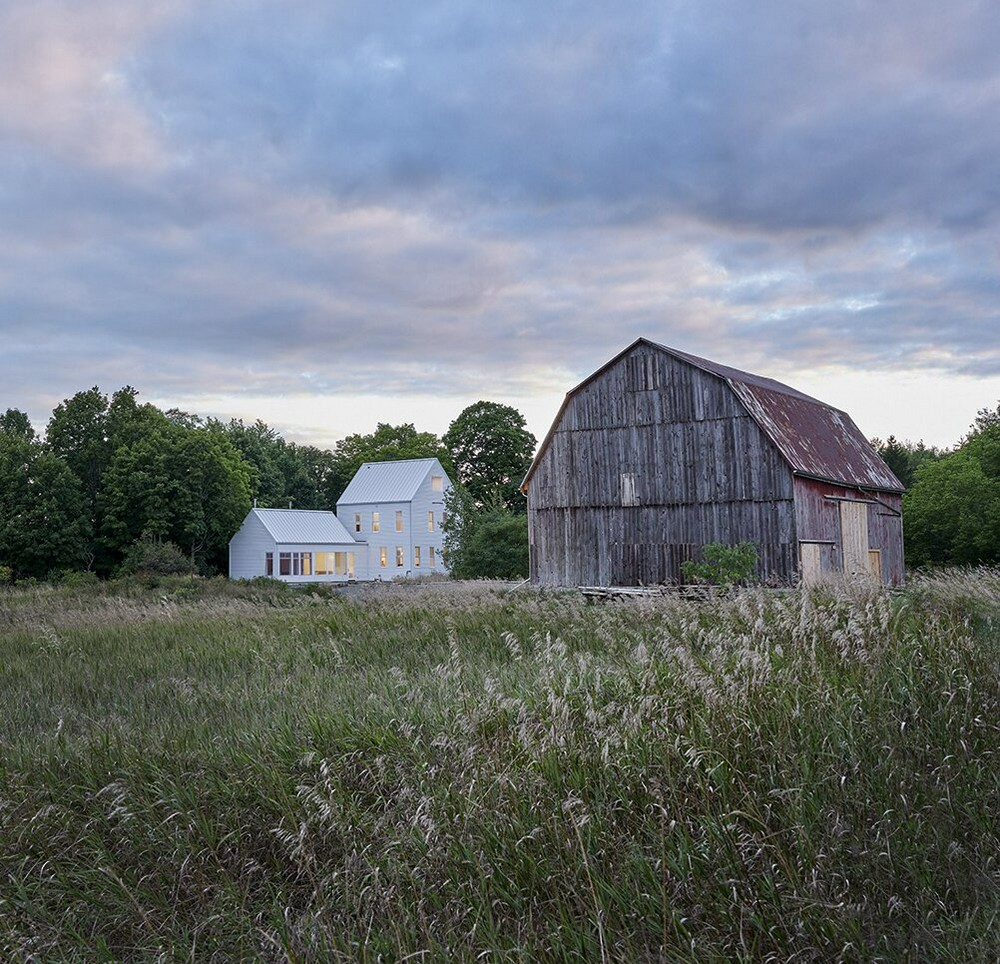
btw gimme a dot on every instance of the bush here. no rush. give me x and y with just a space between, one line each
723 565
153 558
6 575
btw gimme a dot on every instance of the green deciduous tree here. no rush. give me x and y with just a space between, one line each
44 524
951 514
491 450
188 486
15 422
484 543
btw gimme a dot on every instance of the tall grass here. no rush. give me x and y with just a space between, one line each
200 771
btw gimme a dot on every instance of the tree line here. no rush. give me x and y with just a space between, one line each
113 478
951 506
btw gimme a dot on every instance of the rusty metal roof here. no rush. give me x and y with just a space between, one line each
816 440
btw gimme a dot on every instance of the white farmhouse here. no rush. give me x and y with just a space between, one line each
397 508
294 545
388 524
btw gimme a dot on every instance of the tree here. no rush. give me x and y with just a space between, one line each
188 486
491 450
386 443
904 458
15 422
484 543
952 513
44 525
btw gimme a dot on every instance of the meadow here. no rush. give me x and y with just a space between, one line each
204 771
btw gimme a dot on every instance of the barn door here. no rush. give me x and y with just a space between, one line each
854 538
812 564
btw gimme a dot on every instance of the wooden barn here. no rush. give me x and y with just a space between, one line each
659 453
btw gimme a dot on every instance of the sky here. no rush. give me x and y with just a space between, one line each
330 214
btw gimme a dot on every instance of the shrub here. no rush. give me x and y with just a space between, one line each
724 565
6 575
151 557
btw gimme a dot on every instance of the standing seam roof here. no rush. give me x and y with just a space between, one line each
382 482
304 526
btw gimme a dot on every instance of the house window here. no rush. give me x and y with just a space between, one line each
268 563
399 520
399 557
340 563
357 521
437 483
307 563
375 522
629 496
350 565
430 557
430 521
323 563
416 557
284 563
385 557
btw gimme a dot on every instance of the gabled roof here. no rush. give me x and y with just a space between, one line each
382 482
303 526
817 440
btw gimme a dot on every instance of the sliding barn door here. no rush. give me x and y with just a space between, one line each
854 538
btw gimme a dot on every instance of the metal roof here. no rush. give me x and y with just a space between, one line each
816 439
382 482
303 526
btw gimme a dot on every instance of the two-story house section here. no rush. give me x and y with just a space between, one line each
397 508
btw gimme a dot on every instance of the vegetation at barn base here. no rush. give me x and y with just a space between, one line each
213 770
722 565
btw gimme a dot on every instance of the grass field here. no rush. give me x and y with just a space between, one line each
204 771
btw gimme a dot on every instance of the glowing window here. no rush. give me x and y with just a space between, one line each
416 557
437 483
399 520
375 522
399 557
384 557
430 557
430 521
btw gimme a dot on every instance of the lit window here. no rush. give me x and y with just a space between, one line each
399 520
437 483
430 521
307 560
416 557
350 565
340 563
268 563
357 521
375 522
385 557
399 557
430 557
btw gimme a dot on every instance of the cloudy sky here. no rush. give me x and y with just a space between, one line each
327 214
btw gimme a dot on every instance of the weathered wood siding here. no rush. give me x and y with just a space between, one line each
650 461
817 516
